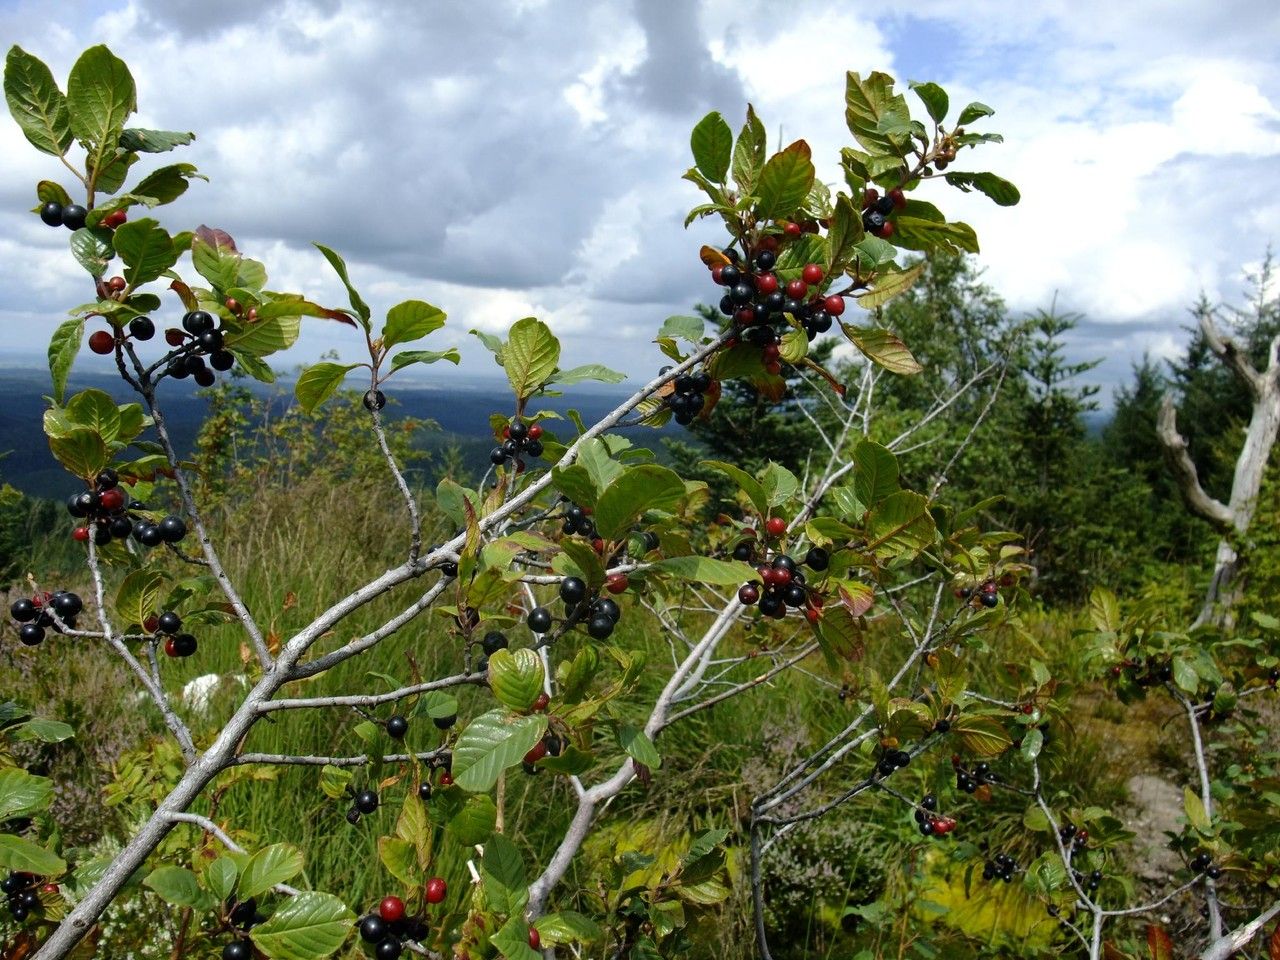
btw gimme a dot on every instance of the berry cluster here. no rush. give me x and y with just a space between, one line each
363 803
1090 881
1075 837
781 583
928 821
968 781
1001 866
22 893
518 439
242 916
758 300
876 211
577 520
600 613
686 400
892 760
115 514
56 611
205 340
72 216
388 927
1146 673
1203 863
167 625
549 746
987 593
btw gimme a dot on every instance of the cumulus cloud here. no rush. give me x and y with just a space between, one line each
525 157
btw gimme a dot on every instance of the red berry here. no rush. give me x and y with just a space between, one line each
812 615
112 499
151 624
812 273
174 337
943 825
870 196
899 198
769 243
792 229
834 304
773 367
233 304
616 582
80 533
766 283
782 576
539 704
535 939
446 779
748 594
537 753
775 526
170 648
769 353
49 888
797 289
115 218
597 545
391 909
715 272
745 316
1117 670
116 284
100 341
1028 708
535 431
887 230
506 433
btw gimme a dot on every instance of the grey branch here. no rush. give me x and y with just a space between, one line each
1184 469
1227 946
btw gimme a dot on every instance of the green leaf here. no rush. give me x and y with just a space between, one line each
81 451
935 100
306 927
493 343
167 183
843 237
140 594
220 877
1104 610
793 346
489 744
876 116
1032 744
981 735
1185 676
512 940
779 484
23 856
692 329
266 336
900 524
36 103
889 284
409 321
748 484
153 141
22 794
46 731
91 246
502 870
749 152
97 411
516 677
334 781
712 143
146 248
100 96
972 112
530 356
785 182
340 268
876 472
627 498
269 866
176 885
1196 814
883 347
474 823
997 188
48 191
588 371
400 858
317 383
913 233
706 570
638 746
437 704
425 356
567 927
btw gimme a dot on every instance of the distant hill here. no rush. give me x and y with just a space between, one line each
462 409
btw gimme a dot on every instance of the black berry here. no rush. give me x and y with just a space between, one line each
397 727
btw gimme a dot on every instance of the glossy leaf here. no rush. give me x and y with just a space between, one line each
409 321
306 927
81 451
101 95
981 735
530 355
23 856
875 472
146 249
883 348
588 371
400 859
627 498
491 743
474 822
269 866
153 141
638 746
900 524
502 871
889 285
409 357
22 794
93 250
139 595
516 677
340 268
36 103
220 877
167 183
318 383
973 112
934 98
997 188
567 926
512 940
785 181
175 885
749 151
712 144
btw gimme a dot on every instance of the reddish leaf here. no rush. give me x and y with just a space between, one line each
860 602
1111 952
712 257
216 238
1273 945
184 294
1159 943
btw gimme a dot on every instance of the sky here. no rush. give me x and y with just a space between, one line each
524 158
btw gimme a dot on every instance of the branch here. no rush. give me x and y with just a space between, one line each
415 541
1229 353
1184 469
374 699
1206 798
294 760
1227 946
208 826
